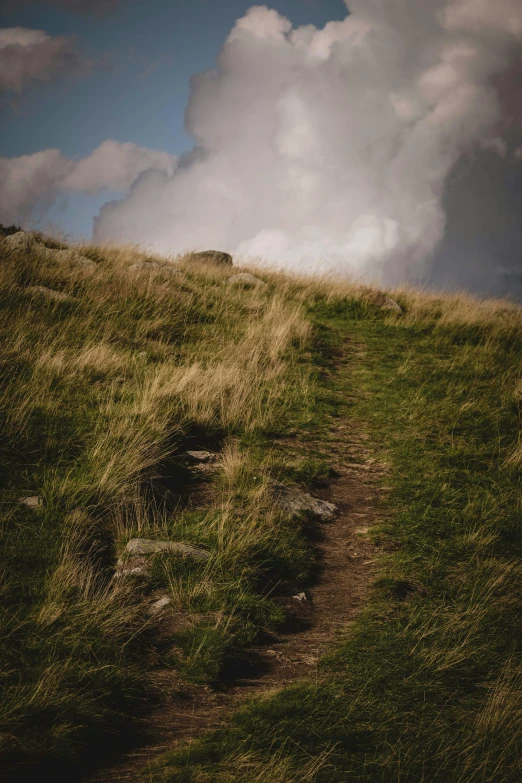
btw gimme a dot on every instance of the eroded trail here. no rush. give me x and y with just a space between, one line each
328 607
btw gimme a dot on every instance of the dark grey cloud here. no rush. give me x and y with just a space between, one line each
28 56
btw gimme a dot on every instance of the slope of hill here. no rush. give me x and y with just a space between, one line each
147 402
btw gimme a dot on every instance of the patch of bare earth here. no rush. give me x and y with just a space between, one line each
314 619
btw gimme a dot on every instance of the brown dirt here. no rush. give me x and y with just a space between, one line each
345 555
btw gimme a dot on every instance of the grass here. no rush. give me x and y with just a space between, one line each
427 685
101 393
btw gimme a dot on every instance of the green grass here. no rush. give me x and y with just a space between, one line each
427 685
100 395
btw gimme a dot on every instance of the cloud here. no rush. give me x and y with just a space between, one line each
502 16
329 147
32 55
34 181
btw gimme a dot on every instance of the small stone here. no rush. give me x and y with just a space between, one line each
300 597
163 494
247 280
32 501
50 293
160 605
145 266
391 304
298 502
199 456
22 242
137 571
146 546
213 257
171 270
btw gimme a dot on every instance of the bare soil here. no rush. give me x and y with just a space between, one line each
345 555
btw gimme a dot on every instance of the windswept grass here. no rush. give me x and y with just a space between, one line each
427 685
100 393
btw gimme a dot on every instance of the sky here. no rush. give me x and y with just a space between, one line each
373 138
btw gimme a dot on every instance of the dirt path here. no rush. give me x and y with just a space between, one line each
329 607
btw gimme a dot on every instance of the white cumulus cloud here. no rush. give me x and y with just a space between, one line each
35 180
329 148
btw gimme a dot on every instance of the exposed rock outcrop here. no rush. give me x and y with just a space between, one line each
139 553
50 293
22 242
213 257
247 280
143 547
298 502
391 304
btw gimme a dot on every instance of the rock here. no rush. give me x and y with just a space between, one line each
25 243
159 605
391 304
199 456
163 494
298 502
247 280
50 293
170 269
146 547
32 501
21 242
134 571
213 257
145 266
70 256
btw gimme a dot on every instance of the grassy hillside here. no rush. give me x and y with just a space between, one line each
427 685
103 390
105 385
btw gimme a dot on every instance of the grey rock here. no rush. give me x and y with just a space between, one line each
213 257
133 571
72 257
146 547
158 606
170 269
296 501
21 242
31 501
144 266
199 456
163 494
247 280
57 296
391 304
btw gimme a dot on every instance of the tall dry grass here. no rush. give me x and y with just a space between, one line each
97 391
